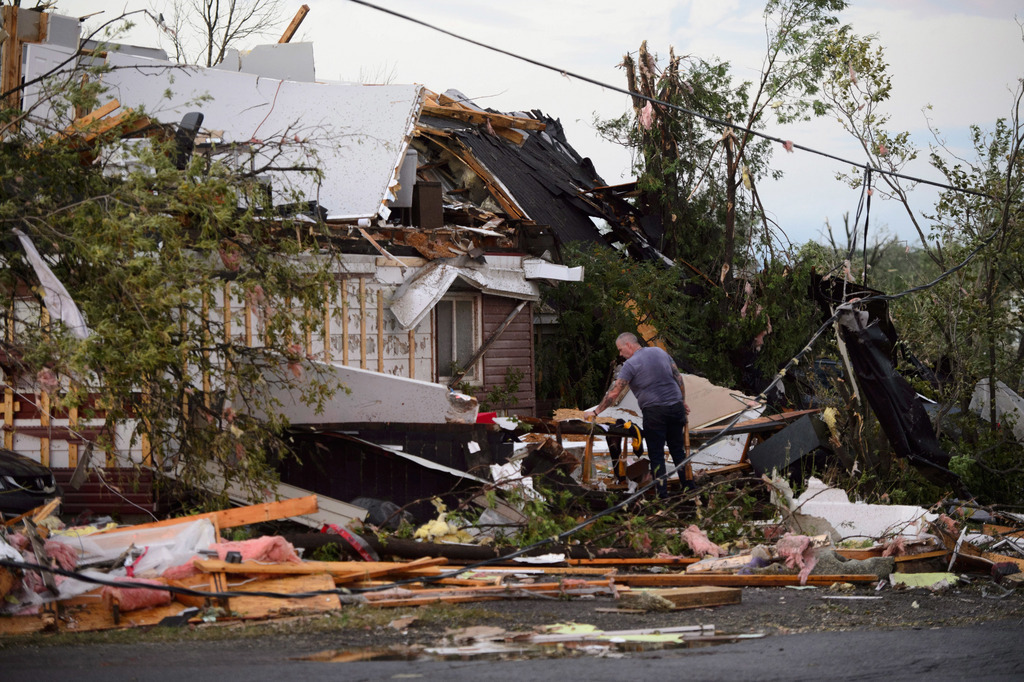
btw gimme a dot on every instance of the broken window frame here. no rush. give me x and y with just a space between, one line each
474 374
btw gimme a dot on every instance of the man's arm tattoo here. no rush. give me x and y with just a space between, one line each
618 387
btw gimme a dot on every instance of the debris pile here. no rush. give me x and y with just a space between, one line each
182 571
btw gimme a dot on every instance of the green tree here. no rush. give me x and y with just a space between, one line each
693 170
147 250
697 177
576 366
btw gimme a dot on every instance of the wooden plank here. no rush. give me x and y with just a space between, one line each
80 124
328 307
759 424
732 580
727 469
269 511
37 514
1002 558
1002 531
380 331
241 516
482 117
10 68
700 596
362 322
264 607
877 552
549 570
344 322
424 601
922 555
428 596
294 25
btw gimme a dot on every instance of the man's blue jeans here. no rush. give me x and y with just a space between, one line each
664 424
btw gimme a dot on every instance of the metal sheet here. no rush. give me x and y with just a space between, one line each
420 293
372 397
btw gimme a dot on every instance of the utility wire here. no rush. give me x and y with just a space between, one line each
654 100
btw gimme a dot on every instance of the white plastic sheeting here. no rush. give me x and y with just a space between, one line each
161 548
1009 406
58 301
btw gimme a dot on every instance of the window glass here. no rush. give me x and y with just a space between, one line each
444 338
464 332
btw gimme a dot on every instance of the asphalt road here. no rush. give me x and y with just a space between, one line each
990 651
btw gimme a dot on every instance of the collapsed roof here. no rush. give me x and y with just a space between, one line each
506 182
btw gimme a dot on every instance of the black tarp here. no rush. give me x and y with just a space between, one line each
870 339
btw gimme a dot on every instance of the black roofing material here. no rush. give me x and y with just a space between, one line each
548 180
544 175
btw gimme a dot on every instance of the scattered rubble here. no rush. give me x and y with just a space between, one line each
182 568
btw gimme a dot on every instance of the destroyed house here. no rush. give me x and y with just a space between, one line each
449 218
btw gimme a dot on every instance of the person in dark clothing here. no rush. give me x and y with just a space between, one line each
653 377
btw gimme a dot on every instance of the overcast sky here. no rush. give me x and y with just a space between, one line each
962 57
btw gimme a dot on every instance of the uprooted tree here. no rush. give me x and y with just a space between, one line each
197 295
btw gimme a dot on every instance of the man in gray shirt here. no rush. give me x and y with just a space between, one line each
653 377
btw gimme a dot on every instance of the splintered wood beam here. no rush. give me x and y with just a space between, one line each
690 597
10 63
429 596
241 516
289 32
647 561
502 120
84 122
37 514
482 117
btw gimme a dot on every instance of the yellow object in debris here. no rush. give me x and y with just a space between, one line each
829 415
441 530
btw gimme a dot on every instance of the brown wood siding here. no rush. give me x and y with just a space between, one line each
514 348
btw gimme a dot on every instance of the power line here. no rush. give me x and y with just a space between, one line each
710 119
